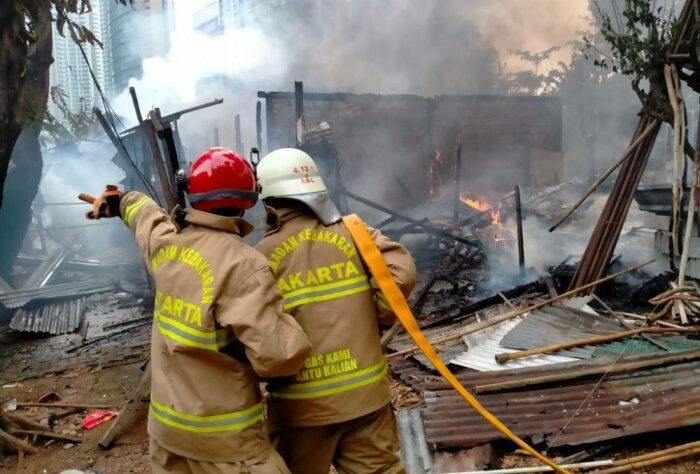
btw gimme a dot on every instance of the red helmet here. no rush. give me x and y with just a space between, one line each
221 179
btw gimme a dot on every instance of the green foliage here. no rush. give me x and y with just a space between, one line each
640 39
27 13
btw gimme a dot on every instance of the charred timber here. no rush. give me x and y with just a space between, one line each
428 228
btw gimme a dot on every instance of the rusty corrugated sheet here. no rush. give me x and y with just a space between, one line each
53 318
636 402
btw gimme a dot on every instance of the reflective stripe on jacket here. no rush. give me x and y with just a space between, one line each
218 321
328 291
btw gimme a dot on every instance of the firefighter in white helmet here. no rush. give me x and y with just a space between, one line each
336 409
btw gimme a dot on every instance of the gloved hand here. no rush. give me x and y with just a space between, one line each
106 205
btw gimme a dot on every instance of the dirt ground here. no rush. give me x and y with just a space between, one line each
111 386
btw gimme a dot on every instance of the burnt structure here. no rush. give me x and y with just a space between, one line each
506 140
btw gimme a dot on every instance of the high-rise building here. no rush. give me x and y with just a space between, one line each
136 33
70 70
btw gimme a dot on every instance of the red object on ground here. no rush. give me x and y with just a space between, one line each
96 418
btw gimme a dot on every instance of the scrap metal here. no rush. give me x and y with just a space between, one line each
55 318
632 402
18 298
47 269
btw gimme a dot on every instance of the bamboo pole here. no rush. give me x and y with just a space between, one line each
690 214
677 159
651 459
627 325
472 328
596 369
644 318
61 405
608 172
49 434
524 470
587 341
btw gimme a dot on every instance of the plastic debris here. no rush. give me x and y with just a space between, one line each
13 385
11 405
96 418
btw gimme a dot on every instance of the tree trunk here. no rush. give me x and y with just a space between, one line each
22 183
13 55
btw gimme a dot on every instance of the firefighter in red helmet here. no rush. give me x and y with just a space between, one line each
218 322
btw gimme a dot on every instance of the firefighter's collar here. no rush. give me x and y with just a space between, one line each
274 218
234 225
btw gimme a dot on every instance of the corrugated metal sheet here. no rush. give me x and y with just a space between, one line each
556 324
484 345
53 318
623 404
415 452
18 298
448 350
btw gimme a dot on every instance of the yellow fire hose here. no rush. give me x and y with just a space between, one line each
377 266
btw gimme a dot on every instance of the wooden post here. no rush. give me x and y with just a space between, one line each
160 166
258 126
135 101
237 131
458 182
519 222
299 111
127 414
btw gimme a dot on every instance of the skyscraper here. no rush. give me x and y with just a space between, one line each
136 33
70 70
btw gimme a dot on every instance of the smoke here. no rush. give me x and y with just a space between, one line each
544 249
68 171
353 46
199 68
392 46
531 26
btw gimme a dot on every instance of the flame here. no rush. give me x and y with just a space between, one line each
496 214
475 203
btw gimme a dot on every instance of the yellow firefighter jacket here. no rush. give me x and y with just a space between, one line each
218 321
327 290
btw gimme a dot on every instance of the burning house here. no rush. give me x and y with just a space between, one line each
408 141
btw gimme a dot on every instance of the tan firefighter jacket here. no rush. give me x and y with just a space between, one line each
326 288
218 321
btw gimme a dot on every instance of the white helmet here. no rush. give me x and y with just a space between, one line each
292 174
